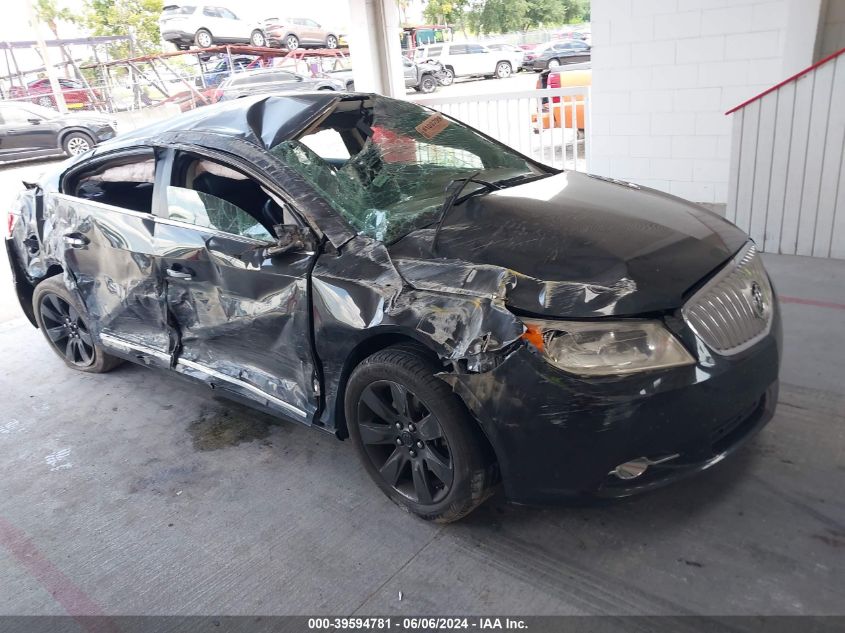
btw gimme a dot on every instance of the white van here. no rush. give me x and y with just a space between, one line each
468 60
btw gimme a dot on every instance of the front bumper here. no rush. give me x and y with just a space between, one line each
558 436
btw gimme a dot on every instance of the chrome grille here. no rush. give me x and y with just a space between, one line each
733 311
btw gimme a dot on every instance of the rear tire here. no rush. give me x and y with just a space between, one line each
432 464
503 70
77 143
448 77
553 63
291 42
64 324
203 38
331 41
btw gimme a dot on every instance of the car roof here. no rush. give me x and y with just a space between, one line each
262 120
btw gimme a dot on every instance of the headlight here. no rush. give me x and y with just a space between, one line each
606 348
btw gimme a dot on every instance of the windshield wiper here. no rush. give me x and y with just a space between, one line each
522 178
453 197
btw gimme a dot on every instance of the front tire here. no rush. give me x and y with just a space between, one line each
77 143
203 38
291 42
553 63
257 39
60 318
415 437
428 84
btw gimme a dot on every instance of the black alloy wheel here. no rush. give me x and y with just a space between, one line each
66 330
64 323
415 437
405 442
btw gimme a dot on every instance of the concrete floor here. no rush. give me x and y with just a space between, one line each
135 493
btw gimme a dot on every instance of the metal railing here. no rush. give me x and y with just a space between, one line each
787 178
551 125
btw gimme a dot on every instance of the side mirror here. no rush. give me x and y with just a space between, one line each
290 238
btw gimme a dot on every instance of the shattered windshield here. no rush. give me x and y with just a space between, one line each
384 164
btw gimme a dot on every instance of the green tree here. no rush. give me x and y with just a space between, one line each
554 12
445 11
48 12
498 16
125 17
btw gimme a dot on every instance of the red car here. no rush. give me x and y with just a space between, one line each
40 92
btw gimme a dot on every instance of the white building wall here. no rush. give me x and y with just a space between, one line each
664 73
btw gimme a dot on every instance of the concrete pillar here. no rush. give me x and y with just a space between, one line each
375 48
802 38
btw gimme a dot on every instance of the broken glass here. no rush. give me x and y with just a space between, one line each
401 159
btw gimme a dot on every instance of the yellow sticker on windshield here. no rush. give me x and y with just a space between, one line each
433 125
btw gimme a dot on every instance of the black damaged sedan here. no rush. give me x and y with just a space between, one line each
468 317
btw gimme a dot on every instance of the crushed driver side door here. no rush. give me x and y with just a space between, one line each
242 313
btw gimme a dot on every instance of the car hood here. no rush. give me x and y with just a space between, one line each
572 245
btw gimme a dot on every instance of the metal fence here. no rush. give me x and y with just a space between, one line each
552 125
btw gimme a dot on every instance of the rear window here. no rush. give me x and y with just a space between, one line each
177 10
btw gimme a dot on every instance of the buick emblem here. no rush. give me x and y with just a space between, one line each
757 301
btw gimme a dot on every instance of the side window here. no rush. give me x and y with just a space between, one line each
458 49
211 195
14 116
210 12
125 182
225 13
475 48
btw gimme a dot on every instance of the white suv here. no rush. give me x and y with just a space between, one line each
469 60
206 25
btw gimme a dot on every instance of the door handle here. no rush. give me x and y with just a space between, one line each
76 240
186 275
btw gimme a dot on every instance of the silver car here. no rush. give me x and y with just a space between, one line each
293 33
267 80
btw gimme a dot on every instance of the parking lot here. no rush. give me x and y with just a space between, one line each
137 493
